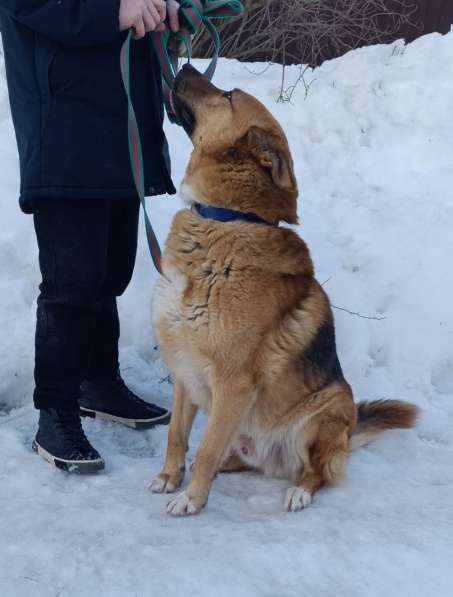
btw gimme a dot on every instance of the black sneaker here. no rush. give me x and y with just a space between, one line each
113 401
61 441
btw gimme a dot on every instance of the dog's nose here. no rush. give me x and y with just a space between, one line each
180 83
188 69
187 72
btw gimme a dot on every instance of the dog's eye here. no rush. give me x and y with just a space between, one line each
228 95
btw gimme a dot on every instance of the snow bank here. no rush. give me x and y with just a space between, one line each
372 144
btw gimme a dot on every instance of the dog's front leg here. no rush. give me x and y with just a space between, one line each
182 418
231 401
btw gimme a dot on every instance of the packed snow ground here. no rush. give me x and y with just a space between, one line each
372 144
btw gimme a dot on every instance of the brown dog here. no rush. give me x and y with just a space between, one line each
243 325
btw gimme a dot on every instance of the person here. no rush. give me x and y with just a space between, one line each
69 111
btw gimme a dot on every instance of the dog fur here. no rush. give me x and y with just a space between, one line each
245 328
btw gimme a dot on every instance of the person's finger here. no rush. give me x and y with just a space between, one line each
160 7
149 20
139 28
152 12
172 10
161 27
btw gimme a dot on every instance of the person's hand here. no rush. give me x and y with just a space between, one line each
142 16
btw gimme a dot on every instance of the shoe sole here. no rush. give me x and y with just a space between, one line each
80 467
138 424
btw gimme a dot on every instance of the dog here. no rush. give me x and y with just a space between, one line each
245 328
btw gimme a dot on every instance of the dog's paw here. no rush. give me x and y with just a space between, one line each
183 505
164 484
297 498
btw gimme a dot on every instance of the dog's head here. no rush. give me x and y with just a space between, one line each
241 159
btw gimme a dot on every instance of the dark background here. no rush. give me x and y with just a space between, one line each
430 16
427 16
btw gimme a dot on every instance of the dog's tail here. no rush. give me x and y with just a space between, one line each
379 415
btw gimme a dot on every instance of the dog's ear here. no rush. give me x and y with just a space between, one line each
271 154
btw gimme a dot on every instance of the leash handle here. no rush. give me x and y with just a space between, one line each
194 15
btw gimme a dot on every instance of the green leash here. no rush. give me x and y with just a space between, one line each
194 15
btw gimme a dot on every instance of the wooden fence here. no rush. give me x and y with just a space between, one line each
428 16
433 15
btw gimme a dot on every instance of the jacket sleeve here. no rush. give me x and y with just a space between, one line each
70 22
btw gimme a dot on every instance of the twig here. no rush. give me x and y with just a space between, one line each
281 97
252 72
166 379
358 314
290 90
30 578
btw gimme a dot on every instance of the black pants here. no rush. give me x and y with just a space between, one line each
87 251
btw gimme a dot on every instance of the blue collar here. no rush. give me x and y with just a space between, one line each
227 215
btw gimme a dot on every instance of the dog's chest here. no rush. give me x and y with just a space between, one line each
176 325
185 313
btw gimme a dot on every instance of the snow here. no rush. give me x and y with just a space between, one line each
372 144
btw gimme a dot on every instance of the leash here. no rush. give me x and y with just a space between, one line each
194 15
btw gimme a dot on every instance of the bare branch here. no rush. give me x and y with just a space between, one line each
305 31
358 314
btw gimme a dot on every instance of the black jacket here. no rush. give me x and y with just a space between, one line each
68 103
